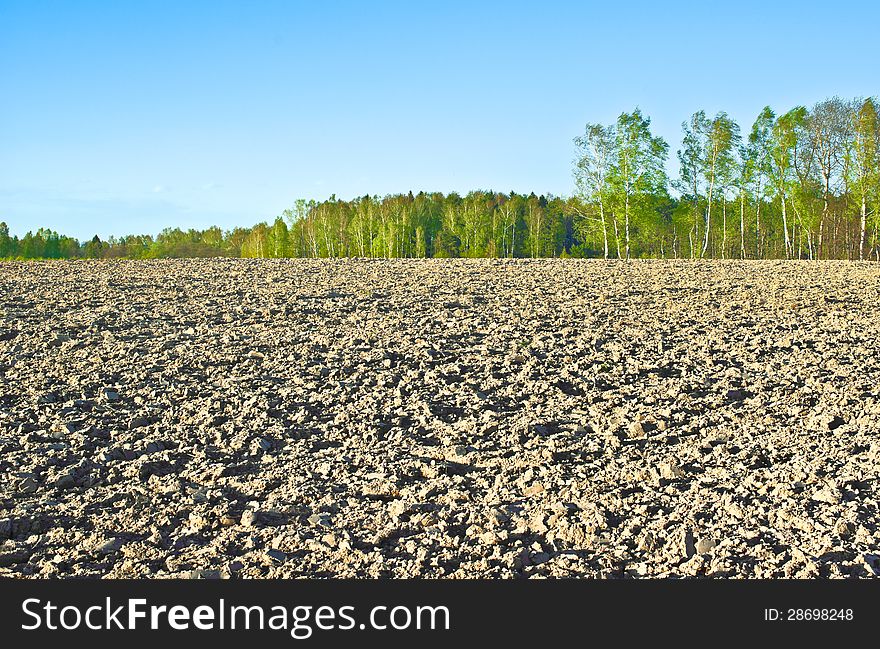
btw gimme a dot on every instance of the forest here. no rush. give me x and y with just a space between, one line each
804 184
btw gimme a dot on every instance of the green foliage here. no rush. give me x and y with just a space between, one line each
7 243
637 177
805 184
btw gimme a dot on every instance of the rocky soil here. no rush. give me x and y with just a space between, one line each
350 418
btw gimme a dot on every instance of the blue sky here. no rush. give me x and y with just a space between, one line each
128 117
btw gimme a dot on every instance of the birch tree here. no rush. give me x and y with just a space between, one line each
691 161
597 157
866 163
756 166
639 170
782 148
828 124
721 140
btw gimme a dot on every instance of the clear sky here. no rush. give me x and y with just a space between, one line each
126 117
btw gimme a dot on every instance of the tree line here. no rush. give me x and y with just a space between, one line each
804 184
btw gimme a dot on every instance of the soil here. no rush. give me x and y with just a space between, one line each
439 418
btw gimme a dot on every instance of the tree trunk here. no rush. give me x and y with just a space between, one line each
874 245
758 228
617 237
723 227
604 228
826 190
742 225
863 225
847 244
788 247
513 238
708 215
